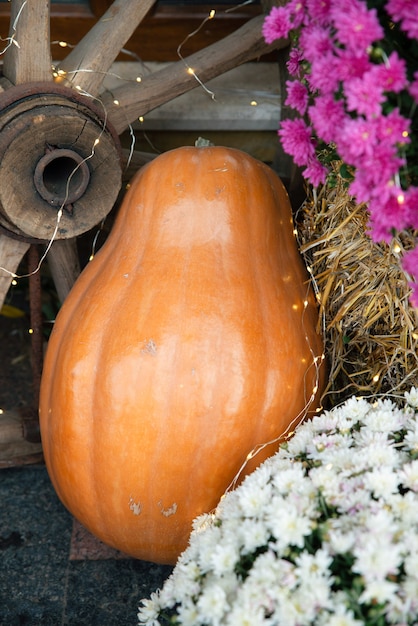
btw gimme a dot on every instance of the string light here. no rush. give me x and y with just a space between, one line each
189 69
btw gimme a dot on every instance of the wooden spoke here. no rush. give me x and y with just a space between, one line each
94 55
28 55
137 99
12 252
64 265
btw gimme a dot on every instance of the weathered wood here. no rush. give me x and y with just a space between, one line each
14 449
64 265
134 100
11 254
28 55
67 178
87 64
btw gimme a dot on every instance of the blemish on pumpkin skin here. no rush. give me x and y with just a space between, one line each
170 511
135 507
150 347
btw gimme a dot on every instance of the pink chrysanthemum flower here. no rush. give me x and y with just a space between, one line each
349 64
392 73
326 114
323 76
319 11
394 128
277 24
357 27
411 207
365 95
294 64
315 172
413 87
315 41
405 12
410 266
356 138
297 96
296 138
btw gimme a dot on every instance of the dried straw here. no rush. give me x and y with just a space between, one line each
370 328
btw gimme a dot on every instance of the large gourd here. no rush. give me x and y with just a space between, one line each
187 342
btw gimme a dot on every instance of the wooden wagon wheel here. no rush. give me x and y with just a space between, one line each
61 163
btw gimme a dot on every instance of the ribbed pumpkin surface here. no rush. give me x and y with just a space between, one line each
183 345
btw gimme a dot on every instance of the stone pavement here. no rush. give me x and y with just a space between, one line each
54 574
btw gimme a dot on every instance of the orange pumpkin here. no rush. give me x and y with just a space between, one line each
188 341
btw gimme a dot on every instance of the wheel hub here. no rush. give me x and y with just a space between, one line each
58 152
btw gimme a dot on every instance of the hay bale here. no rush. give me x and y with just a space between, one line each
370 328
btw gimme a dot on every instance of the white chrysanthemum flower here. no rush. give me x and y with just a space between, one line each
376 558
411 397
342 617
244 615
252 535
297 444
405 509
149 611
385 418
380 454
288 528
338 503
316 564
224 558
188 614
411 437
341 542
351 412
212 604
253 499
382 482
411 564
186 582
409 475
379 592
289 479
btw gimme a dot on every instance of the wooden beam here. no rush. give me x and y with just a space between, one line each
130 101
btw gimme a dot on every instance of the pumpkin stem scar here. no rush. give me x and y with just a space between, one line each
170 511
135 507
